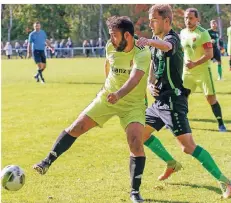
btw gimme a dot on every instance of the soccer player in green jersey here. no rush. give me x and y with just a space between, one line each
165 84
229 45
198 51
122 95
216 47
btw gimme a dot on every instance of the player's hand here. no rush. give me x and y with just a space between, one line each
190 64
143 42
153 90
213 41
113 98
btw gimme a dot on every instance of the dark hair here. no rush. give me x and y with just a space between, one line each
193 10
36 23
164 10
122 23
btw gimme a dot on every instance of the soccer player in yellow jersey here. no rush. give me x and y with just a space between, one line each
122 95
198 51
229 45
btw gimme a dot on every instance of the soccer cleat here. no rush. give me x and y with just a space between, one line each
226 190
222 128
42 167
43 80
36 77
136 197
169 171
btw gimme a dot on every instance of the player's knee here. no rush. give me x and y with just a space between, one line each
188 149
135 144
77 128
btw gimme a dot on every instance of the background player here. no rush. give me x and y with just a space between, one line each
38 40
198 50
216 46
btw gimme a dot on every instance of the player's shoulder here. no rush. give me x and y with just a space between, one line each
109 45
172 34
201 29
32 33
141 51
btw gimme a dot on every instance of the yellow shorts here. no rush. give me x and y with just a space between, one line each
204 80
101 111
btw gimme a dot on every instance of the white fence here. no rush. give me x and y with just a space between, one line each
62 52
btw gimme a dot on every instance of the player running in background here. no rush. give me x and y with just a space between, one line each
198 50
229 44
122 95
216 46
165 83
37 42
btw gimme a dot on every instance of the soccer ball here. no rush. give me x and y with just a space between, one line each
12 177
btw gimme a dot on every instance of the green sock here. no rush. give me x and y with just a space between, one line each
155 145
219 69
209 164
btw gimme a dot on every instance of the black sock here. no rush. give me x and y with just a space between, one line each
217 113
230 63
136 171
62 144
40 74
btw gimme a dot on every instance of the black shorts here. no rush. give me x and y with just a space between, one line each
172 113
39 56
216 54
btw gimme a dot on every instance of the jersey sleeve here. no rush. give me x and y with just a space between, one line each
175 42
45 35
107 48
142 59
205 37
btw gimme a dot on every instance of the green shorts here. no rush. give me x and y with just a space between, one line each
101 111
204 80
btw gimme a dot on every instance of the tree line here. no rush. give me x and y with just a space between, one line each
88 21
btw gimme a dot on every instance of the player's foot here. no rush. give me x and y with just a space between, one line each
169 171
226 190
43 80
41 167
222 128
36 77
136 197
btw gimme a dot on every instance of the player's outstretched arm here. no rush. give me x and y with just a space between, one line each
159 44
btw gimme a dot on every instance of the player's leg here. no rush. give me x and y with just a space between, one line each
134 133
217 56
96 114
38 61
42 65
208 88
189 147
230 61
153 122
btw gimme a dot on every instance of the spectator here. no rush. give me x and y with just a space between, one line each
69 46
8 49
62 46
86 48
18 50
92 45
101 44
56 46
24 46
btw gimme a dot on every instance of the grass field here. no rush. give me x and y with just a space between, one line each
95 169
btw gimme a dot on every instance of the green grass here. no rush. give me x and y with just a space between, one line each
95 169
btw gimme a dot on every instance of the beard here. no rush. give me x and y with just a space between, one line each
122 45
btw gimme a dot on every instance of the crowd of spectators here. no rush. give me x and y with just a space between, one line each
63 48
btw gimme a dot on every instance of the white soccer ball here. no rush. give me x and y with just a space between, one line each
12 177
